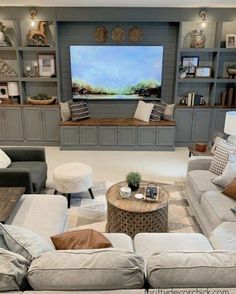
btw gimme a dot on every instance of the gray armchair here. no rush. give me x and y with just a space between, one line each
28 169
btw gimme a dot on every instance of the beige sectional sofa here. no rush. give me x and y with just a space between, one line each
151 260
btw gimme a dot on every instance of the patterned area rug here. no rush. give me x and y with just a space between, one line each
88 213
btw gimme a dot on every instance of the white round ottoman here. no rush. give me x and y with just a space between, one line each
73 177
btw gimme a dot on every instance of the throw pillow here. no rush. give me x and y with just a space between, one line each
79 110
65 111
216 141
5 160
24 242
13 268
220 158
143 111
157 112
80 239
230 189
229 172
168 113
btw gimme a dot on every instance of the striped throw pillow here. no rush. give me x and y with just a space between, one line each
157 112
220 158
79 110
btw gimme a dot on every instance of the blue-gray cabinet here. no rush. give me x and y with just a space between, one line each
69 136
108 136
201 125
88 136
126 136
2 128
183 119
165 136
146 136
42 124
12 121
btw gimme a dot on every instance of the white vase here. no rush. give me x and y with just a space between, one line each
182 75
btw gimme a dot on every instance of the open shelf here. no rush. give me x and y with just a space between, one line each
196 80
39 79
37 49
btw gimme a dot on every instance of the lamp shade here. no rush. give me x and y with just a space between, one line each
230 123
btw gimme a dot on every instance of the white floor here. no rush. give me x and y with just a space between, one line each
114 165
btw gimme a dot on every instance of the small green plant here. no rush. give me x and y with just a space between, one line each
133 179
233 66
41 96
183 68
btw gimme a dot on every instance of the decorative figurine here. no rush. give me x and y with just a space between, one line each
37 37
4 39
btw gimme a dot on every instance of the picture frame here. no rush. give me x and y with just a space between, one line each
230 41
47 66
203 72
3 91
191 62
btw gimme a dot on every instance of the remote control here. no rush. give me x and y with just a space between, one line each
233 210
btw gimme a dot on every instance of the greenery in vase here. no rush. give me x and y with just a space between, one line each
183 68
41 96
133 179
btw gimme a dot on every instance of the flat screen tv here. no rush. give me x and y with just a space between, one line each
116 72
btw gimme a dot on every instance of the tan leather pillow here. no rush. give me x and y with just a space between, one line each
230 189
80 239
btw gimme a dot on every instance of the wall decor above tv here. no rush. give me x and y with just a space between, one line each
116 72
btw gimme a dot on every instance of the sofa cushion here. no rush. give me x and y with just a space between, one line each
80 239
145 244
169 269
200 182
136 291
217 207
45 215
13 268
120 241
99 269
38 170
24 242
224 236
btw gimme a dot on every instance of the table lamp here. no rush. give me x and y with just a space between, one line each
230 126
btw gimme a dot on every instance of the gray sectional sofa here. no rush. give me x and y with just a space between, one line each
210 206
151 260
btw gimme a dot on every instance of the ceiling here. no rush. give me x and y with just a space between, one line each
121 3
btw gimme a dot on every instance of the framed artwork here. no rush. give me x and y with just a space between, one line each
3 91
191 62
203 72
231 41
46 65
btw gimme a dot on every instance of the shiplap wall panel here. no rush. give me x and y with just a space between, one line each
154 33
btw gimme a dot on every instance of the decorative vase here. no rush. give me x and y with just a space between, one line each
182 75
198 39
2 37
133 187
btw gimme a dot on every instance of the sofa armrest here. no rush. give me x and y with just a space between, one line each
20 177
199 163
25 153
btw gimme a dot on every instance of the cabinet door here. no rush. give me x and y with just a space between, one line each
126 136
2 127
201 125
88 136
51 120
218 122
165 136
146 136
13 124
183 119
108 136
33 124
69 136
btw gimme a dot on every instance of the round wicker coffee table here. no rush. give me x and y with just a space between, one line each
132 216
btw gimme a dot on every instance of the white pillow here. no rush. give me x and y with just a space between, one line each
143 111
65 111
229 172
5 161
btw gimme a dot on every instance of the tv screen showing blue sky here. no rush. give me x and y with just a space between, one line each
115 69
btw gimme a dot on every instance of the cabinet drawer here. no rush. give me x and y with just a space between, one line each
165 136
126 136
108 136
88 136
146 136
69 136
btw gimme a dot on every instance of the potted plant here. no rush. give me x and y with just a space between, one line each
183 69
133 179
231 70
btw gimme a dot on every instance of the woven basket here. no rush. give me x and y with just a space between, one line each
41 102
